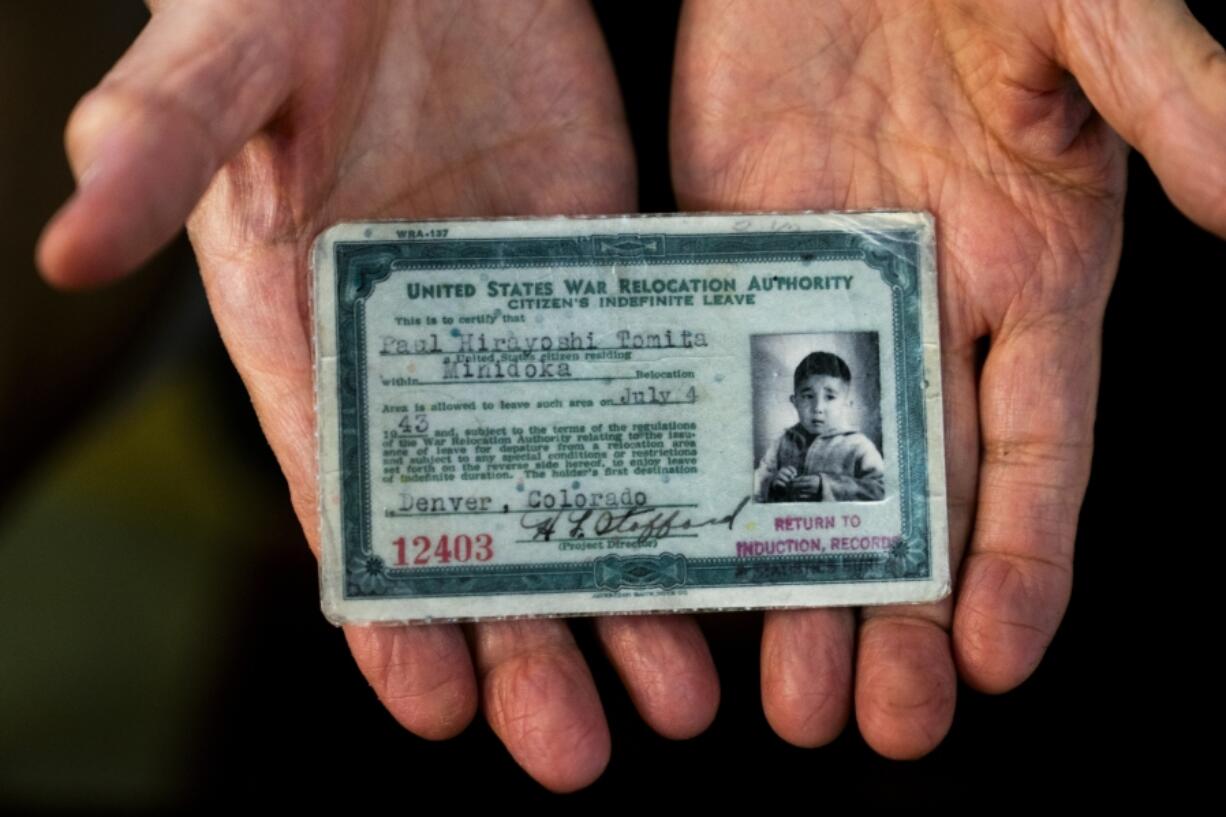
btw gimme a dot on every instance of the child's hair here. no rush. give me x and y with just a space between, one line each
822 363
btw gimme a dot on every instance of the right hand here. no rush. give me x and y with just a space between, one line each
807 488
268 122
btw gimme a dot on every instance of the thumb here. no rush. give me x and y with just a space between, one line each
145 143
1159 78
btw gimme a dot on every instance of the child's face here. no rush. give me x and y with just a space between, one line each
822 402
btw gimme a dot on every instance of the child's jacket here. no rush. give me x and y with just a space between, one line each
850 465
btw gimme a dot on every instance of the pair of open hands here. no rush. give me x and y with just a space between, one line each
262 123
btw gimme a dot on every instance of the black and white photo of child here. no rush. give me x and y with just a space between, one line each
827 447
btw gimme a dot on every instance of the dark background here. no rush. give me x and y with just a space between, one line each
160 640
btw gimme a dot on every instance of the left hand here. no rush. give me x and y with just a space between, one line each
808 487
1004 118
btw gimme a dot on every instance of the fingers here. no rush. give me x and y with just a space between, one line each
906 685
807 673
1159 79
422 674
1037 396
540 700
667 669
144 144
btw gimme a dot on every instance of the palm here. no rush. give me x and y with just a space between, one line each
788 117
399 117
887 104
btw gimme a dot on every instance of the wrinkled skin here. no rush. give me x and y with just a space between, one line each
260 129
968 110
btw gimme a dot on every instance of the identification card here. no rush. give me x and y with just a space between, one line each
610 415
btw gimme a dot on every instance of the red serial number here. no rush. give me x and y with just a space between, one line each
462 548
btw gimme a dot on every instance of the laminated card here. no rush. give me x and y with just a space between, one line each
614 415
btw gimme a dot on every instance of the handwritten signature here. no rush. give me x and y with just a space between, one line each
647 521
